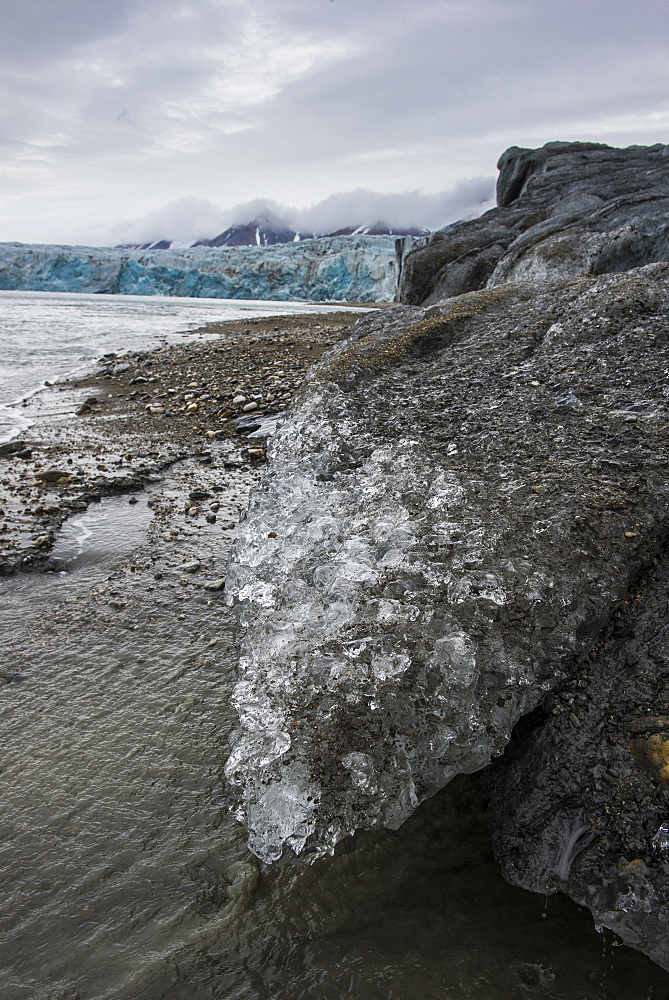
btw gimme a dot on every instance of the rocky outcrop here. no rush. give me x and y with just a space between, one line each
461 541
458 502
353 269
564 209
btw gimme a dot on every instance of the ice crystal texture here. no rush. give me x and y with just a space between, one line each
353 269
417 570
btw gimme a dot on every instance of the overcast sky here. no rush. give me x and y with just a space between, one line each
112 109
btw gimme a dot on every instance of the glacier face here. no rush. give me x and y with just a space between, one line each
341 269
442 530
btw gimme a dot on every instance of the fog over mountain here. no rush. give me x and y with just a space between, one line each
187 220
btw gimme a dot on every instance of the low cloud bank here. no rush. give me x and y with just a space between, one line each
189 219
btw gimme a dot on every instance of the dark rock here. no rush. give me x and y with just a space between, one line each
245 425
199 495
51 475
563 210
464 508
557 781
12 447
55 565
451 542
83 408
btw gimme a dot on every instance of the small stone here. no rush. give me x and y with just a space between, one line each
51 475
238 400
42 540
120 369
652 754
198 495
631 534
249 407
214 584
190 567
80 410
256 453
133 500
210 519
191 408
12 447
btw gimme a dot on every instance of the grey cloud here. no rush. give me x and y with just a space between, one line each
113 109
35 30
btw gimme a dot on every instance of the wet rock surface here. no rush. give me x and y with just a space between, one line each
563 210
459 501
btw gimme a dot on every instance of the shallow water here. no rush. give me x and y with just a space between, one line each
46 335
123 876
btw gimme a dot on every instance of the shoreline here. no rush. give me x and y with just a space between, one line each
115 430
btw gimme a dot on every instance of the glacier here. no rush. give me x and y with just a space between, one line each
340 269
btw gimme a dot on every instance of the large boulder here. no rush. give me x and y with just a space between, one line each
580 800
459 501
457 558
568 208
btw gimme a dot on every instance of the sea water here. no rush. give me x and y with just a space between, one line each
47 335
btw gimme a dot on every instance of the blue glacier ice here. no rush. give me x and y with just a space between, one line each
340 269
